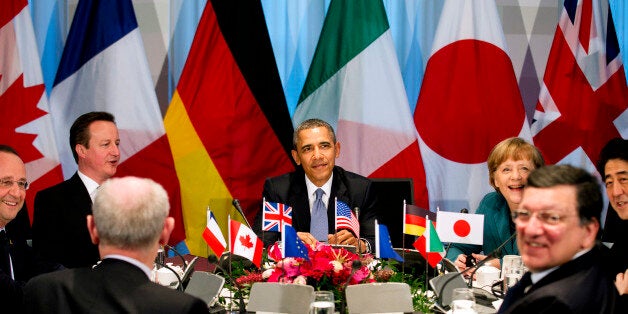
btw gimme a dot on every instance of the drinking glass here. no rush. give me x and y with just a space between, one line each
512 271
323 303
462 301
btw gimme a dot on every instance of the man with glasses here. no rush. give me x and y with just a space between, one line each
17 262
557 226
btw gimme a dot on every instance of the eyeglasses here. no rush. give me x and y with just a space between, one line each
548 218
7 184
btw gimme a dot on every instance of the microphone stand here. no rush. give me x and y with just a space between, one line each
180 287
237 206
489 257
212 259
355 266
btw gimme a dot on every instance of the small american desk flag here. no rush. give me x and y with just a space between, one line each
274 215
346 219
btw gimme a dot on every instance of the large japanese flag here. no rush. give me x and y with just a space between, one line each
584 99
104 68
26 125
469 101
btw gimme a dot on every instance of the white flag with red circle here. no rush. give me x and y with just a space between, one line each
460 228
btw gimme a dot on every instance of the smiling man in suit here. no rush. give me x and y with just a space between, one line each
59 231
315 151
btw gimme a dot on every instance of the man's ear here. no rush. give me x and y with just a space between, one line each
81 150
295 156
165 233
337 149
592 229
93 232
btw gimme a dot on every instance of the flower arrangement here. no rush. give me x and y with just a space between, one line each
327 269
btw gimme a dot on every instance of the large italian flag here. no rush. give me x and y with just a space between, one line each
355 84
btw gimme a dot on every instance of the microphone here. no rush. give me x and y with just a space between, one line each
357 217
237 206
162 265
213 260
185 264
489 257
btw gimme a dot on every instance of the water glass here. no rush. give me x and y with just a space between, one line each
323 303
462 301
512 271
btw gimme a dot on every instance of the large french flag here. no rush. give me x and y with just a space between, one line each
27 126
584 99
104 68
469 102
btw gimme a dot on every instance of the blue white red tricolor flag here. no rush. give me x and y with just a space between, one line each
274 215
583 101
345 219
213 236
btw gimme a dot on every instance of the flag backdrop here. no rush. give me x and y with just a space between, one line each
27 126
469 101
354 83
104 68
224 140
584 100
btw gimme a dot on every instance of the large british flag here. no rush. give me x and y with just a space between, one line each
584 100
345 219
274 214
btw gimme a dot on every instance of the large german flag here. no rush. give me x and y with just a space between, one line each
224 140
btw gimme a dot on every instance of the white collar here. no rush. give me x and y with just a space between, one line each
535 277
89 183
311 187
131 260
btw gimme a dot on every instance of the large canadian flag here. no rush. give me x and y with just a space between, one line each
584 99
469 101
104 68
26 126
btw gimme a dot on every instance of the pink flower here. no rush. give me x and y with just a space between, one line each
300 280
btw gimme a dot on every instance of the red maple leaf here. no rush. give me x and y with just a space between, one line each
245 240
18 105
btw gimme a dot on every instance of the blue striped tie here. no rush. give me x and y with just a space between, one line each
318 223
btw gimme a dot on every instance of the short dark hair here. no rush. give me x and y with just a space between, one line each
8 149
588 193
616 148
79 132
310 124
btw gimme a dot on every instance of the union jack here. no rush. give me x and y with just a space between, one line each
274 214
346 219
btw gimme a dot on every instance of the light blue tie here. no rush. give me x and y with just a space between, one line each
318 223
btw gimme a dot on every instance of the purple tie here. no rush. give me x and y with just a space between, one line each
318 223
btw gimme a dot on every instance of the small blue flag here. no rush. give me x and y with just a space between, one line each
292 246
384 248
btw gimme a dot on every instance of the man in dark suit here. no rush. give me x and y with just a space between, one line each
129 223
59 232
557 226
17 262
315 150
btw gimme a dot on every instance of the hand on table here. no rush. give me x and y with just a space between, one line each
621 282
